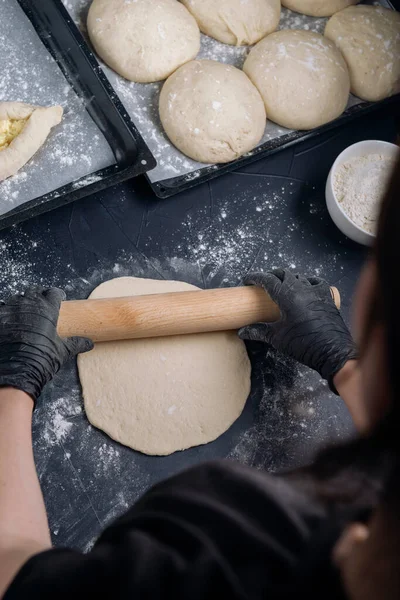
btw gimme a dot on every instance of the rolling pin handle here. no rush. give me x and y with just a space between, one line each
173 313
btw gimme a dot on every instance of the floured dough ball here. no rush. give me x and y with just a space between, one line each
143 40
211 111
369 38
301 76
237 22
318 8
24 129
160 395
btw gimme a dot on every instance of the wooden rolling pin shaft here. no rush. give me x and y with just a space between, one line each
174 313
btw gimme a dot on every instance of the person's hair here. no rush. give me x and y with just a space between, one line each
368 468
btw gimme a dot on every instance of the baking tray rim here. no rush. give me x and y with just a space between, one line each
166 188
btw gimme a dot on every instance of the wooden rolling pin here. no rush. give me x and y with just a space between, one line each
174 313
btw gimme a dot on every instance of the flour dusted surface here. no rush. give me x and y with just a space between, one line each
360 184
209 244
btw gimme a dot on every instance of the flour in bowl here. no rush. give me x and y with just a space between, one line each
360 184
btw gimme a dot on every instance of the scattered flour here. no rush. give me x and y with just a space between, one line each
291 416
108 458
360 185
17 264
58 415
87 181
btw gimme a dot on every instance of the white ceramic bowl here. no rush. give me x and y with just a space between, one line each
339 217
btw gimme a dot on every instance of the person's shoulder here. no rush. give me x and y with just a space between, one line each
240 486
218 528
223 472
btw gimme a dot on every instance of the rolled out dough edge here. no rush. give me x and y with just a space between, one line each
138 438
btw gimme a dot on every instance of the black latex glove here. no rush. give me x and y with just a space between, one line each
310 330
31 352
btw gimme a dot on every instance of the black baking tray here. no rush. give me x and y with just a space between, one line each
174 185
65 43
79 65
168 187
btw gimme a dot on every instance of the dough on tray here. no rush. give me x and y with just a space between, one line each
369 39
301 76
143 40
318 8
24 129
161 395
235 22
211 111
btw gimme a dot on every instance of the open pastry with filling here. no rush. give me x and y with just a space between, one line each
24 129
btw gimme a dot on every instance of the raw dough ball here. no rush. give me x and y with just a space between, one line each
369 38
318 8
301 76
211 111
143 40
24 129
161 395
237 22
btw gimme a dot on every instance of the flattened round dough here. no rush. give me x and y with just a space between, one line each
301 76
143 40
24 129
318 8
369 39
237 22
161 395
211 111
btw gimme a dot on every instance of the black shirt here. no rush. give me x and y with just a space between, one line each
217 530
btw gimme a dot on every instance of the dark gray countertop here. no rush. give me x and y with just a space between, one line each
269 214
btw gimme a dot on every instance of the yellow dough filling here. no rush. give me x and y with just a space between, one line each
9 129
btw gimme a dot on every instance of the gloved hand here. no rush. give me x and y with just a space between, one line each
310 330
31 352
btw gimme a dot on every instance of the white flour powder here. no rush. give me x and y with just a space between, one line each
359 186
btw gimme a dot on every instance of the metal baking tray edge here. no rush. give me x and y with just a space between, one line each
169 187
